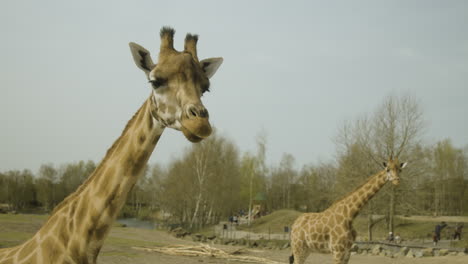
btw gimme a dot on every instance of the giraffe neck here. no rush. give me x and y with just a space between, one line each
77 227
351 205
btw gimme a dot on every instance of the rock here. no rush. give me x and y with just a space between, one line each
286 245
354 248
197 237
211 237
269 245
410 254
376 250
453 253
443 252
461 254
403 251
180 232
418 254
427 252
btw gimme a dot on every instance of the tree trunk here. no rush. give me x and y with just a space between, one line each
391 214
197 207
369 221
250 199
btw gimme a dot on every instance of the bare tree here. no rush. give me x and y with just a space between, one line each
391 131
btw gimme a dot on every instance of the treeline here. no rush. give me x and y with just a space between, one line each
213 179
23 191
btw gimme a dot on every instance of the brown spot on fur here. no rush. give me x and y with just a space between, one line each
71 226
345 210
63 234
8 261
162 108
52 249
49 224
142 139
110 201
12 252
31 259
101 231
319 229
74 251
339 229
72 209
81 212
96 253
140 163
89 232
103 182
27 249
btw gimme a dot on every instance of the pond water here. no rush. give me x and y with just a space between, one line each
137 223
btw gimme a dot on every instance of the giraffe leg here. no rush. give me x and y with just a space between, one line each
347 256
299 258
300 253
353 234
341 257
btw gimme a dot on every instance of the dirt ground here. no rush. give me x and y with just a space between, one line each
14 229
116 252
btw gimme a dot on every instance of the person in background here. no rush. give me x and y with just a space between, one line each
458 231
397 238
437 231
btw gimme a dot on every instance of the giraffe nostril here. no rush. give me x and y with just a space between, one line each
192 111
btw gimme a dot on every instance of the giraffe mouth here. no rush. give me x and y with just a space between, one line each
396 181
190 136
196 129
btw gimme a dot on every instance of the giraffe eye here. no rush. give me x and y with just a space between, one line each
158 82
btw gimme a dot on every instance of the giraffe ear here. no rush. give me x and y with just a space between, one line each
141 57
402 165
210 66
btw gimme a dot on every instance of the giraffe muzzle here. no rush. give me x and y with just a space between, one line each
196 125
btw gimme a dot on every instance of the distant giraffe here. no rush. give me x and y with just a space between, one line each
76 229
332 230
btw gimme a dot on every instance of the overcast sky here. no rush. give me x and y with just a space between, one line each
294 69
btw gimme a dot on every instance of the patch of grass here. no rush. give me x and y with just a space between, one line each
120 254
408 229
128 242
24 218
274 222
13 238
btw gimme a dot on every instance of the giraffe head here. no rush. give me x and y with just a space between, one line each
178 81
393 168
